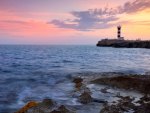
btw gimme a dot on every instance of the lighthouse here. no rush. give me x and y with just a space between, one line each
119 33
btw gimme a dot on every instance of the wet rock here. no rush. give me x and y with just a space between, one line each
144 99
35 110
144 108
27 107
55 111
147 73
128 82
126 99
111 109
146 88
62 109
78 83
104 90
78 86
48 102
45 106
124 105
85 98
78 80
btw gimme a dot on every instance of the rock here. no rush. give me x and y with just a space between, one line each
54 111
147 73
110 109
62 109
144 108
85 98
27 107
45 106
104 90
139 83
48 102
78 80
124 105
35 110
78 83
123 43
126 99
144 99
78 86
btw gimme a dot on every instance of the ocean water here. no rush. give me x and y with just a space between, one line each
38 72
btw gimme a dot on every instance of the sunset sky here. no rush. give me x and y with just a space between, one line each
72 21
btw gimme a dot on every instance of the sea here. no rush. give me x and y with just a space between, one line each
36 72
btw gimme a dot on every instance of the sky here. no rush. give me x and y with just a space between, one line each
72 21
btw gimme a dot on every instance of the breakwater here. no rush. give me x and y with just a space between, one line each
124 43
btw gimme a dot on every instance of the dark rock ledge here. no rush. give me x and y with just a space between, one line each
123 43
140 83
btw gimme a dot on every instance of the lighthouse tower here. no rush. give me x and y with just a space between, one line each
119 33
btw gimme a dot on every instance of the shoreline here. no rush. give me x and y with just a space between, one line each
88 87
124 43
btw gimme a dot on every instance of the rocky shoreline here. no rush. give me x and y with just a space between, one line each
140 83
84 85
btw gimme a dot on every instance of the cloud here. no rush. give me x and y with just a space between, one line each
137 5
86 20
100 18
89 20
62 24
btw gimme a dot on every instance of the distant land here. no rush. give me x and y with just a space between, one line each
120 42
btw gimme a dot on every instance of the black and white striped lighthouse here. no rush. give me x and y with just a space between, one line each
119 33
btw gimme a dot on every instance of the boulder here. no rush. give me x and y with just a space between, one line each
78 86
48 102
85 98
78 80
78 83
45 106
104 90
